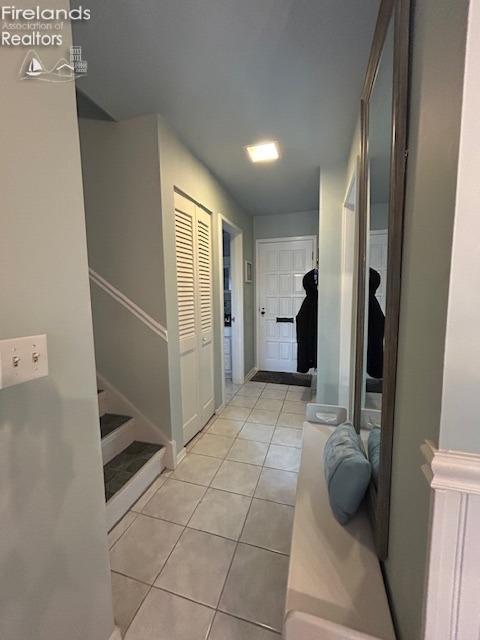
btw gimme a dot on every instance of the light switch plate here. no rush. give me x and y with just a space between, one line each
23 359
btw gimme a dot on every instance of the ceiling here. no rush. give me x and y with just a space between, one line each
227 73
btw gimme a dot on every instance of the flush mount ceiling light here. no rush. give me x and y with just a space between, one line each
263 152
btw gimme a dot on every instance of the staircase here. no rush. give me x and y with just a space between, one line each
129 465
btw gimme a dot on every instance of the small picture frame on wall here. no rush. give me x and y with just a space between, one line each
248 271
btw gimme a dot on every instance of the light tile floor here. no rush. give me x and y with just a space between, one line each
203 554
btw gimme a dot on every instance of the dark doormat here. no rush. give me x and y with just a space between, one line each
282 377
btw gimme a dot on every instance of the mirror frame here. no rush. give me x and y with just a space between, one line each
399 11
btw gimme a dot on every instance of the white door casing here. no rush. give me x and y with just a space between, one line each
281 265
348 296
193 246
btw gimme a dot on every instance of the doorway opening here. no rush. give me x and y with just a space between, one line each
233 370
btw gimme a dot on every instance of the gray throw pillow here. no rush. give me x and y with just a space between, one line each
347 471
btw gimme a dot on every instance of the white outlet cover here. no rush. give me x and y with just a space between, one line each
23 359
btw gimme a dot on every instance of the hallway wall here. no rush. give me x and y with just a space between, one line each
53 545
299 223
121 166
332 193
435 111
181 170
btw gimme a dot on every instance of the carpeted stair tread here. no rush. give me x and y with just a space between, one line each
126 464
111 421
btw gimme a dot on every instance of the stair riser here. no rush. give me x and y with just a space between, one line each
121 502
118 440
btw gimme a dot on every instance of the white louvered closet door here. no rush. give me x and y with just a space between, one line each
205 313
193 245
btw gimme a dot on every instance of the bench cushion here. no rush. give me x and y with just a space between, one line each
334 573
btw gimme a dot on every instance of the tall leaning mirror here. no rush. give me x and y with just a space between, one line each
382 180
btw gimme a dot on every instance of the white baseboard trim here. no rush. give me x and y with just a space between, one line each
250 374
116 634
453 570
145 429
181 455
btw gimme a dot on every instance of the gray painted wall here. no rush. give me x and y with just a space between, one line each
53 552
332 194
181 170
379 216
430 201
120 164
300 223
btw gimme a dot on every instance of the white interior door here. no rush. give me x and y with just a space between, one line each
193 246
377 256
205 313
281 265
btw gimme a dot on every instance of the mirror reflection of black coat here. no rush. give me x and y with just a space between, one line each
376 328
307 319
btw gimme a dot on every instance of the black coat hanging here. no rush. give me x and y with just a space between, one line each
307 319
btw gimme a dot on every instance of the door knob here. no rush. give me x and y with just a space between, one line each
262 311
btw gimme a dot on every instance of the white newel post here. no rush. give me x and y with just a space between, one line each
452 597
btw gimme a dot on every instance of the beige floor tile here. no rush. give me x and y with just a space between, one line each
231 387
197 469
224 427
257 432
164 616
237 477
256 586
232 412
175 501
227 628
243 401
152 489
260 416
299 408
288 437
269 404
142 550
254 385
290 420
120 528
198 567
249 392
286 458
299 394
221 513
127 595
279 486
213 445
248 451
274 394
273 385
269 525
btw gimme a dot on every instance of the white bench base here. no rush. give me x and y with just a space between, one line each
335 586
